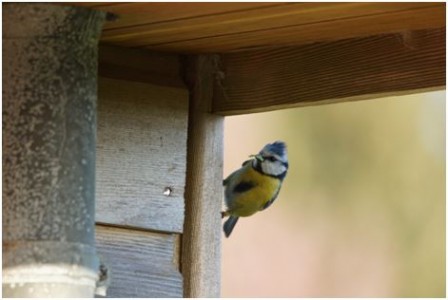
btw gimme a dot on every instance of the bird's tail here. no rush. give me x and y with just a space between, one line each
229 224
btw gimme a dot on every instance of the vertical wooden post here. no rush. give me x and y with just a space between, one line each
201 240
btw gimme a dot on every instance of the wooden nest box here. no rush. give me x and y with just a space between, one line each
168 73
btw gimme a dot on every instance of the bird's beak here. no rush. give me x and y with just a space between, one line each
257 157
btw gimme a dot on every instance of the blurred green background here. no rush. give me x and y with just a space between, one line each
362 210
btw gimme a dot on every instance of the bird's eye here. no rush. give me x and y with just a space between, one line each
270 158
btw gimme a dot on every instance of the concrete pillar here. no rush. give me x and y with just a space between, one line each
49 136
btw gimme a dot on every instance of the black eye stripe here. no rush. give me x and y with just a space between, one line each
270 158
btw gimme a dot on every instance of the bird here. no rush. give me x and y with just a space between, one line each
256 185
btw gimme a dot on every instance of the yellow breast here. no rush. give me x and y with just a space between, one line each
249 202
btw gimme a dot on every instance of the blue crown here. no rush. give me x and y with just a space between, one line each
277 147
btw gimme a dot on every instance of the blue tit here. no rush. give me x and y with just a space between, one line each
255 185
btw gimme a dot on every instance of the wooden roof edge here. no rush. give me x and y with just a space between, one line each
330 72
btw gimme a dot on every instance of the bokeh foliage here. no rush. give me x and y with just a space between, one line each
365 196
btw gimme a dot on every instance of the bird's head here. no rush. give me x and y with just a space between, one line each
272 159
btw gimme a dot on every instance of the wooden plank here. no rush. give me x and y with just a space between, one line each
141 264
201 241
132 14
353 69
330 30
141 151
139 65
256 20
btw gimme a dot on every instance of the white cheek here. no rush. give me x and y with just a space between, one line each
275 169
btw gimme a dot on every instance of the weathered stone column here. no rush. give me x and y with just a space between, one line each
49 136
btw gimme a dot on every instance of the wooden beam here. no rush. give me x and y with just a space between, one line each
132 14
259 20
139 65
352 69
304 27
201 239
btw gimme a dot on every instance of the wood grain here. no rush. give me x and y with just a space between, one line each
139 65
141 150
352 69
141 264
201 241
362 25
133 14
259 20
